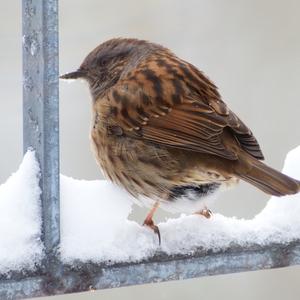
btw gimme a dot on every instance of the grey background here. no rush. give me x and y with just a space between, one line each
250 49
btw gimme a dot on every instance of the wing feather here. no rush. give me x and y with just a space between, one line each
159 106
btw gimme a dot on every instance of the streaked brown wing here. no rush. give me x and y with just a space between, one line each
172 112
189 129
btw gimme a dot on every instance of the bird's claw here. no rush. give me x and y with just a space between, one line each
156 230
150 224
207 213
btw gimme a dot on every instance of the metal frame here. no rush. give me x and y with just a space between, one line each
41 132
88 277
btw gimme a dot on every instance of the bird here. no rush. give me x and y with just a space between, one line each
161 130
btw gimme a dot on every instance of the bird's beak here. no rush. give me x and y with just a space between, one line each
74 75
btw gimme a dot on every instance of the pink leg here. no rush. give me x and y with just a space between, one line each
149 221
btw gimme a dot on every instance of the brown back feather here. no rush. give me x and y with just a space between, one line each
167 101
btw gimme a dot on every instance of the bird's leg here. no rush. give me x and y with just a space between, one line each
149 221
207 213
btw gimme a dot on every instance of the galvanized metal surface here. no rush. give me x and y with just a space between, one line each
40 107
41 117
25 288
87 277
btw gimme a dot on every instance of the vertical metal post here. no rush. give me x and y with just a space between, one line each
40 108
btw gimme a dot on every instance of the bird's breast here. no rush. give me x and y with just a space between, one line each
142 169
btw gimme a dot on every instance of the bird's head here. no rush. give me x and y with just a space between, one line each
103 67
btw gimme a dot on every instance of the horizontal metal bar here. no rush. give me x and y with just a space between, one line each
85 277
25 288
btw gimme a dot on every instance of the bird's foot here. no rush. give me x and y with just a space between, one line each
149 223
207 213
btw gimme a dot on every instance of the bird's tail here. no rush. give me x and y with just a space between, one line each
269 180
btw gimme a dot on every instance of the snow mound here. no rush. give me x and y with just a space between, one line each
20 221
95 225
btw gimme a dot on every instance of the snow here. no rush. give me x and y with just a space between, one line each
100 230
95 225
20 222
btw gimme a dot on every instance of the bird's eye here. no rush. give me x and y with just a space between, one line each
103 61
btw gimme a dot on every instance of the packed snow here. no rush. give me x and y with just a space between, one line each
95 225
86 239
20 218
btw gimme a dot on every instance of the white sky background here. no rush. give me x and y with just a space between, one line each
249 48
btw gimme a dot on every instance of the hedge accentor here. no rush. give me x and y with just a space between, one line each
162 131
